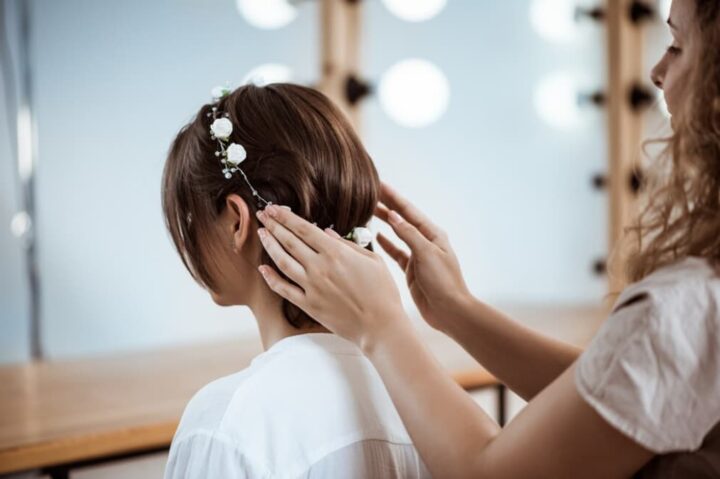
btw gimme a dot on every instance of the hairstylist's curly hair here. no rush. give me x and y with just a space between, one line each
682 215
301 152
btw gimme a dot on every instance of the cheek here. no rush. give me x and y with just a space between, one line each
675 85
671 91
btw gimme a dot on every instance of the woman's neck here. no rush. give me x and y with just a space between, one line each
267 309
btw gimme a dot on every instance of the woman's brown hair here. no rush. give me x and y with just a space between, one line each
682 214
301 152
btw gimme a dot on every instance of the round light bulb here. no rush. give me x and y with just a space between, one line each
556 100
267 14
414 93
268 73
664 6
20 224
415 10
554 20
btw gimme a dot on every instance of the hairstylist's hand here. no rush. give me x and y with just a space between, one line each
432 269
348 289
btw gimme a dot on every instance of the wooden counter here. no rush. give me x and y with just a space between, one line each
61 412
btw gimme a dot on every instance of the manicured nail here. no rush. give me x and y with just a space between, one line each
262 271
395 218
270 210
262 233
261 215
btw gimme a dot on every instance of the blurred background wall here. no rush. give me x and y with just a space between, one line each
490 141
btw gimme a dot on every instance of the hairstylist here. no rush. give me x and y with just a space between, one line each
643 398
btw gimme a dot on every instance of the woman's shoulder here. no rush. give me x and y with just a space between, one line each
207 407
655 363
688 287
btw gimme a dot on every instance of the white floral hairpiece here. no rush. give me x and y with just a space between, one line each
360 235
232 154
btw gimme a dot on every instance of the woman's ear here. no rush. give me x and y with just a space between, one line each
240 221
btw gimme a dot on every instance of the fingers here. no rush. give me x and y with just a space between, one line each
282 287
408 233
405 231
407 210
310 234
300 251
400 256
346 242
286 263
333 233
381 211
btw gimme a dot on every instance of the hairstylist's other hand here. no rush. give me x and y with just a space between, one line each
348 289
432 269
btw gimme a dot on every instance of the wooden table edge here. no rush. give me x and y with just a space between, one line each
87 447
142 437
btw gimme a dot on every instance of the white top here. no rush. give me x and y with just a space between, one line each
653 369
311 406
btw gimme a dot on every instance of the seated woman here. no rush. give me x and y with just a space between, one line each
311 405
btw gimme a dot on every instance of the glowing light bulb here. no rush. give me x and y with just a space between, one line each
267 14
414 93
20 224
415 10
664 6
554 20
268 73
556 100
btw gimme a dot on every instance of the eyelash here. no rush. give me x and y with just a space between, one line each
673 50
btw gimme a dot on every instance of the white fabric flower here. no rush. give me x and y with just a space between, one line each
362 236
222 128
236 154
219 92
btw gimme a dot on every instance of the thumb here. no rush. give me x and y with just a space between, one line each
407 232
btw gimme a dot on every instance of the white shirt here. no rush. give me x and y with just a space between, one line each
311 406
653 369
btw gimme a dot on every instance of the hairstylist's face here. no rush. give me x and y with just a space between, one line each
671 71
234 259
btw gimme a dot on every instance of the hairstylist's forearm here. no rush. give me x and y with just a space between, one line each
523 359
446 425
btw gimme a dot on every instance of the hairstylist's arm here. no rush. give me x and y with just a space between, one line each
350 291
520 357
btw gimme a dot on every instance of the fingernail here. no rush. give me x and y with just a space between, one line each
262 271
286 207
395 218
262 233
271 210
260 215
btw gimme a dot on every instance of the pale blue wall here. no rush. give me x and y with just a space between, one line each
115 80
114 83
513 193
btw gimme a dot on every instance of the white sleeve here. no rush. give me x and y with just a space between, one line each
208 454
653 371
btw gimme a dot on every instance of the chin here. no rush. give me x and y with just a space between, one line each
226 300
219 299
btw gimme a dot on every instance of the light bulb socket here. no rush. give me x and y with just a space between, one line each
639 12
640 97
596 13
597 98
599 181
356 89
